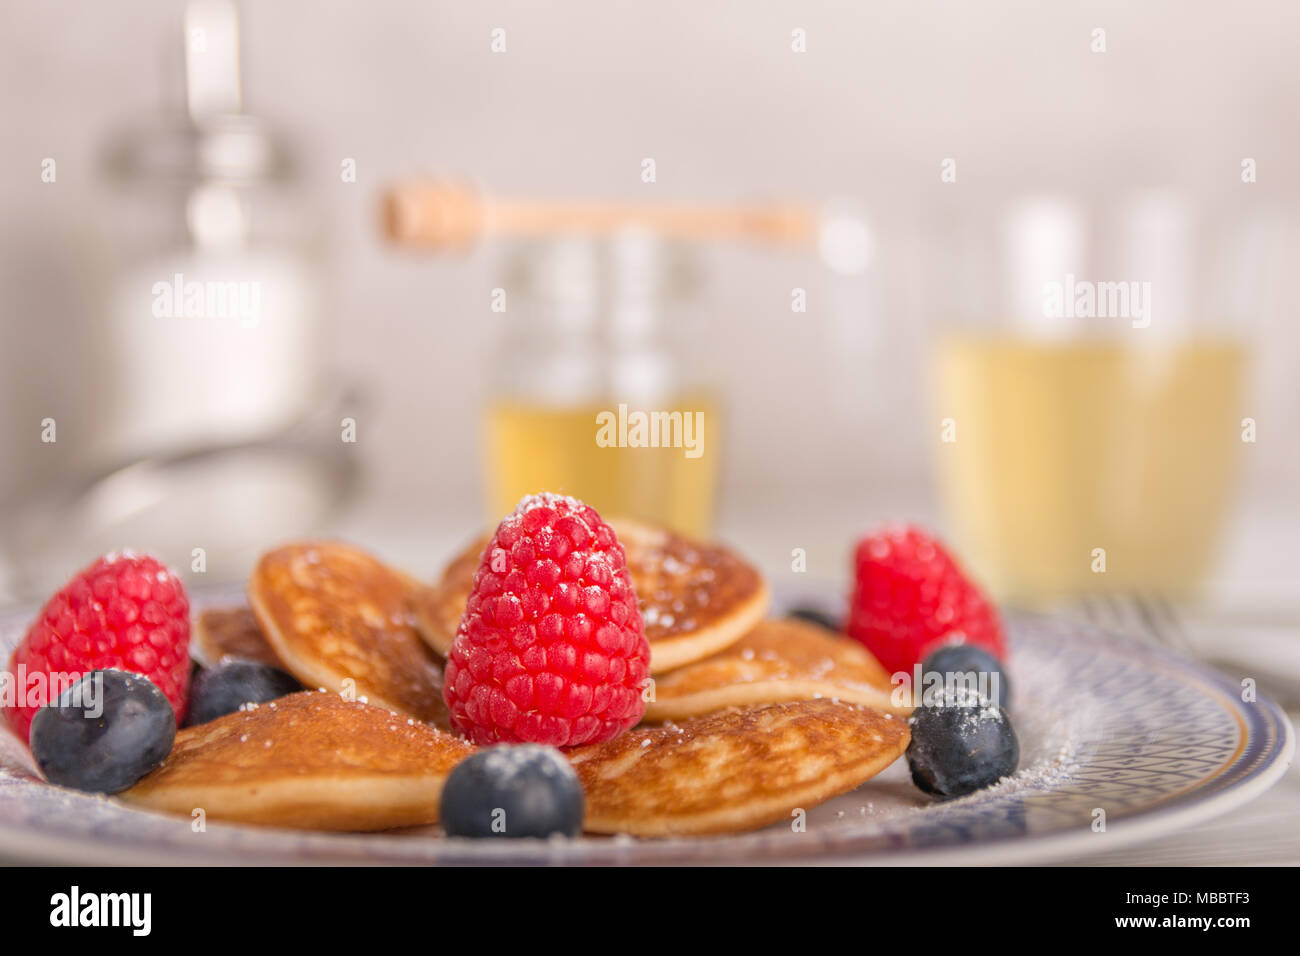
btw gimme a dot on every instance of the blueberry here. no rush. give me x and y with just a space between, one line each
104 733
976 664
961 744
523 790
223 689
815 616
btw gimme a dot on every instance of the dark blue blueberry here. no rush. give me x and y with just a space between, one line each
815 616
104 732
217 691
523 790
961 744
973 663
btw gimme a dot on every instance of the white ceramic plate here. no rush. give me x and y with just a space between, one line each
1155 741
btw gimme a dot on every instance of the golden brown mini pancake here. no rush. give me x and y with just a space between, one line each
334 614
232 632
778 660
311 760
734 770
695 598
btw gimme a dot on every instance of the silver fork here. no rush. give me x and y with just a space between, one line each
1265 650
1152 619
1165 621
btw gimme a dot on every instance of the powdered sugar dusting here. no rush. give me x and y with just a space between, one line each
507 762
544 499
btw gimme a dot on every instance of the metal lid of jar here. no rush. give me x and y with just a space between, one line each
233 149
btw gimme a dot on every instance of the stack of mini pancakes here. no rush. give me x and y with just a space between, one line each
748 719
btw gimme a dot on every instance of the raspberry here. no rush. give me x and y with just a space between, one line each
551 648
909 596
125 612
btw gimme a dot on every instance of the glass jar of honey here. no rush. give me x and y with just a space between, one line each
596 394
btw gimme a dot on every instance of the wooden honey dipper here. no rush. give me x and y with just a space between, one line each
441 214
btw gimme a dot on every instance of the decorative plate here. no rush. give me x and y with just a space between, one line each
1119 743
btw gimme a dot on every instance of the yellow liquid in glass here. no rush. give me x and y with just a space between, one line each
532 448
1064 448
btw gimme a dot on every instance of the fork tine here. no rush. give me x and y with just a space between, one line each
1181 638
1124 614
1165 621
1094 610
1150 620
1143 624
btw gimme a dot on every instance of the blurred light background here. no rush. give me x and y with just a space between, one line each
832 418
